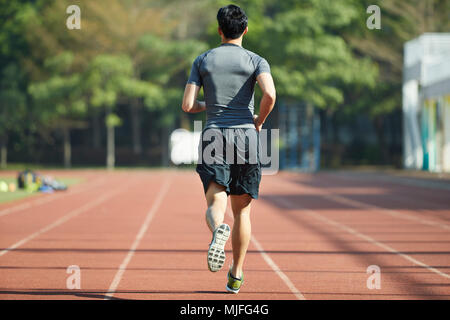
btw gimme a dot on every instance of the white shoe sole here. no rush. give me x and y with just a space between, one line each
216 251
231 290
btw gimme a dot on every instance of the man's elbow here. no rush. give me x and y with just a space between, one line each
271 96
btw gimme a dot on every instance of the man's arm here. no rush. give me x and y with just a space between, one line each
267 86
190 103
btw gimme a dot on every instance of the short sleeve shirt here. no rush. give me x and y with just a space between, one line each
228 76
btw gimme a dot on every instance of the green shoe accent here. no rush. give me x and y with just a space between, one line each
234 284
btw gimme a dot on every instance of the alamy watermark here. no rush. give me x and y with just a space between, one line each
239 146
374 20
74 280
374 280
74 20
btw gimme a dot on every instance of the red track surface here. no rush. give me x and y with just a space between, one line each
142 235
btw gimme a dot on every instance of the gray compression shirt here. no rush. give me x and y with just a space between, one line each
228 76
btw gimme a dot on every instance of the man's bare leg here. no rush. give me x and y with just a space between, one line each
216 200
241 233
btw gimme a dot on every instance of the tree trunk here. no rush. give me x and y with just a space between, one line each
335 149
96 133
67 148
136 127
110 152
110 145
335 129
381 137
3 151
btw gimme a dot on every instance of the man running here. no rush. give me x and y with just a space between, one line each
228 75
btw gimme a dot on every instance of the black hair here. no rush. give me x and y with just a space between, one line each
232 21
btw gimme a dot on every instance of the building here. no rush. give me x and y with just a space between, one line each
426 103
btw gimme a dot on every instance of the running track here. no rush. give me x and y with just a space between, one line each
140 234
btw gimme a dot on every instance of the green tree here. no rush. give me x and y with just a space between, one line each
401 21
108 79
12 108
61 99
156 36
14 16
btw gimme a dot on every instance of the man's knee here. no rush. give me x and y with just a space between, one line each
241 204
216 195
219 200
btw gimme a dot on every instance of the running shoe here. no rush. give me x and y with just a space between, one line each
216 251
234 284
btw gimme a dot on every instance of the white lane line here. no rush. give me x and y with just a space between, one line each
48 199
63 219
393 213
274 266
277 270
361 235
148 219
396 179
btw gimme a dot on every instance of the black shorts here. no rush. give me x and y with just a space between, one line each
235 160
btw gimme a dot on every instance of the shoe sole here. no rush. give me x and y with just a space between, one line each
232 290
216 251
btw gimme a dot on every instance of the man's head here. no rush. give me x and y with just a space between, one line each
232 21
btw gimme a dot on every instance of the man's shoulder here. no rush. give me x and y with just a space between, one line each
256 58
202 56
253 54
217 50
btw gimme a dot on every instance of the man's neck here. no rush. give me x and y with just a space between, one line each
237 41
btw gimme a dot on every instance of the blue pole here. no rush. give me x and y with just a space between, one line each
293 137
